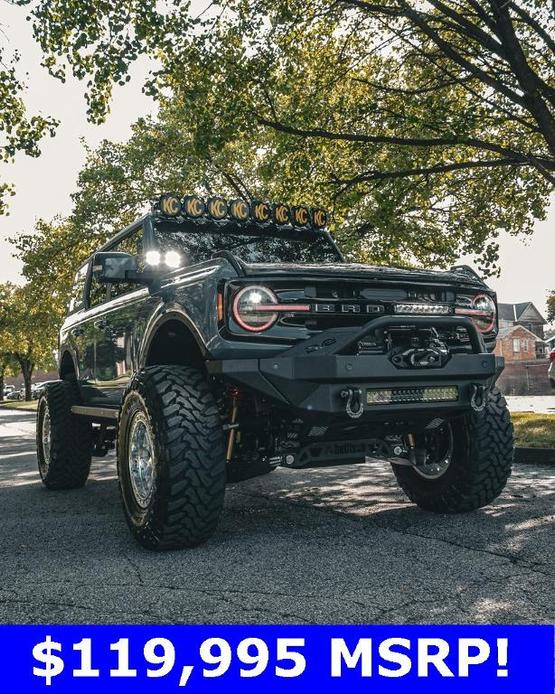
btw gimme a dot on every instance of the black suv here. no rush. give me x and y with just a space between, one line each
211 341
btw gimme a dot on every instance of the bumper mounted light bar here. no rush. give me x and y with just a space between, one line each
396 396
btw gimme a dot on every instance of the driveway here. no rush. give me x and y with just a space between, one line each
317 546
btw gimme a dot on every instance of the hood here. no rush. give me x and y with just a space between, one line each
371 273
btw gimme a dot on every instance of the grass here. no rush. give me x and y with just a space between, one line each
31 405
534 430
531 429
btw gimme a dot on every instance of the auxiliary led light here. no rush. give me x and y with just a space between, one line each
153 258
172 259
423 309
395 396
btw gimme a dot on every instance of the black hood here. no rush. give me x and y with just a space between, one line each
371 273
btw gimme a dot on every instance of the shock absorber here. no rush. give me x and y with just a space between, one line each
233 426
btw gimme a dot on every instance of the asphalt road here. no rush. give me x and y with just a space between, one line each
318 546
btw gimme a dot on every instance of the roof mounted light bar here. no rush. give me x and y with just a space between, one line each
241 211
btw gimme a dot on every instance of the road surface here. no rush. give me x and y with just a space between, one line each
317 546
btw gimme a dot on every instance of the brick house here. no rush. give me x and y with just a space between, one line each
527 316
516 343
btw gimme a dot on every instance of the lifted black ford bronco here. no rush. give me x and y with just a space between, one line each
211 341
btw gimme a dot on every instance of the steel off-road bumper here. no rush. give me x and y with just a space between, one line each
316 376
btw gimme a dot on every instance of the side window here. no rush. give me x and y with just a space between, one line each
98 292
76 300
132 244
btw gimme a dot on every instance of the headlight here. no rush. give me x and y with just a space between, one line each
257 308
253 308
482 311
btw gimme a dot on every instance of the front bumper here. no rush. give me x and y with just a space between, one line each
312 376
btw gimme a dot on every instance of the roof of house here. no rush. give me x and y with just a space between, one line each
514 312
505 332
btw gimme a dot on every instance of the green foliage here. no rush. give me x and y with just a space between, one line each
428 128
408 123
28 328
19 132
551 307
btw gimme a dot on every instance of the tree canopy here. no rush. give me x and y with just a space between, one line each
551 306
28 329
19 131
427 127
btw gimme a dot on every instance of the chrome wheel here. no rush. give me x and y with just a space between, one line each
46 437
141 460
439 452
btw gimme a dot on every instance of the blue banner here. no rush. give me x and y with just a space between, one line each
382 659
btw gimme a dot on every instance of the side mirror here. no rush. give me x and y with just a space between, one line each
113 267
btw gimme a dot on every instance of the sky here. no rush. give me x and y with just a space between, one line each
44 185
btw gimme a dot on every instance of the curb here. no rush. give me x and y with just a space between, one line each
535 456
17 409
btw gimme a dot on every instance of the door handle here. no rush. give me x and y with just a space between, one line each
101 324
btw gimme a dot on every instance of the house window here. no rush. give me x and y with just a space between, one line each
516 345
524 345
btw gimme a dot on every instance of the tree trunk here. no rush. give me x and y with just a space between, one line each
27 367
1 383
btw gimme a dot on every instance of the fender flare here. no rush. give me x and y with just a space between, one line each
157 321
66 349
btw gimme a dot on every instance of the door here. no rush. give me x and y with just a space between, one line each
77 333
120 327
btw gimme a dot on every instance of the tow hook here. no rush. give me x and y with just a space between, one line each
479 397
354 407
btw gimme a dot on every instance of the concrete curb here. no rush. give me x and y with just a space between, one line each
18 409
535 456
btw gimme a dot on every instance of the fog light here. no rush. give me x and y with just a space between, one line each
393 396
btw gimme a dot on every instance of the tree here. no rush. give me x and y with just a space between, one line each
8 367
551 306
19 131
28 328
427 126
8 364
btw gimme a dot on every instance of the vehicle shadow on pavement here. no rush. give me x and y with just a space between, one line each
322 546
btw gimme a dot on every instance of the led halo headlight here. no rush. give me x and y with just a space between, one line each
252 308
485 316
482 311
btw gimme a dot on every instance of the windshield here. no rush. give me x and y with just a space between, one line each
197 245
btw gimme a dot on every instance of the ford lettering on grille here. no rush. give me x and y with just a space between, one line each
348 308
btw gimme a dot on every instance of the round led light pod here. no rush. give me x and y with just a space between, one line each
261 211
217 207
301 216
239 210
172 259
281 213
152 258
193 206
319 218
169 204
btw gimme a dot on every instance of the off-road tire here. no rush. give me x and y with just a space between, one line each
189 457
70 439
480 466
